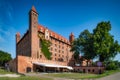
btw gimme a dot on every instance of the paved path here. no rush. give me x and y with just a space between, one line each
115 76
9 75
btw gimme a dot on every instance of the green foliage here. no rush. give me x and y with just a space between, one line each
86 42
45 48
4 57
112 65
104 45
100 43
83 44
3 71
76 49
83 76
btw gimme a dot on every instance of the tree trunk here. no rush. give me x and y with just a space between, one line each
101 58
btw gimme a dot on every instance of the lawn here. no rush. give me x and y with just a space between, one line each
82 75
24 78
2 71
59 75
72 75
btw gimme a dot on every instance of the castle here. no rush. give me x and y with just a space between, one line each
29 54
43 50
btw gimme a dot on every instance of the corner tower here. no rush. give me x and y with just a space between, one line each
33 30
71 37
17 37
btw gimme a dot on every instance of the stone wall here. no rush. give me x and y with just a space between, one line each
27 62
84 69
12 65
23 46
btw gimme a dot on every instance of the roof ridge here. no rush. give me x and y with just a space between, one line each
60 36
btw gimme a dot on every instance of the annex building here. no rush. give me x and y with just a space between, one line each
29 53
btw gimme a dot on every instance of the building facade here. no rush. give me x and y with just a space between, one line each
29 55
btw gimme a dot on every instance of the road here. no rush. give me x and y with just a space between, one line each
115 76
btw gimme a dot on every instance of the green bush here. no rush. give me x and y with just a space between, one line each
4 57
111 66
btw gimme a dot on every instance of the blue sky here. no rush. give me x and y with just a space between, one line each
61 16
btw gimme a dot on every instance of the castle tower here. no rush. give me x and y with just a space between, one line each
71 37
33 28
17 37
17 40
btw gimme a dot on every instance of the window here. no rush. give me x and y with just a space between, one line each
40 44
55 45
51 48
55 49
47 37
55 54
37 54
59 51
88 70
40 56
59 46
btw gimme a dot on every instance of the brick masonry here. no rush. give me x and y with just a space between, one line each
28 47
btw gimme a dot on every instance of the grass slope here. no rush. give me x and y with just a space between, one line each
24 78
82 75
2 71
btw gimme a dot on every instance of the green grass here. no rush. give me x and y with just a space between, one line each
82 75
60 75
107 73
2 71
72 75
24 78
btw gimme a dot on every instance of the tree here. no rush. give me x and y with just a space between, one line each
104 45
4 57
76 49
83 44
112 65
86 42
99 44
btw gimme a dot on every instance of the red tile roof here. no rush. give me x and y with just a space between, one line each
53 34
18 34
33 8
72 34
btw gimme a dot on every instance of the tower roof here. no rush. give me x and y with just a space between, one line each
33 9
72 34
18 34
